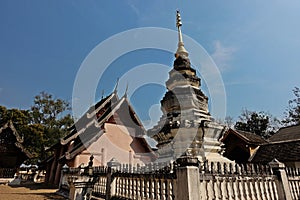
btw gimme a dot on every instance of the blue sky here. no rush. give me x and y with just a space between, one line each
255 45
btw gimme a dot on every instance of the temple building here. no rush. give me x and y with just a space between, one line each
108 130
284 145
246 147
111 130
13 153
241 145
186 126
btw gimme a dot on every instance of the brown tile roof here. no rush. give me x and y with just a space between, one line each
289 133
248 137
284 146
283 151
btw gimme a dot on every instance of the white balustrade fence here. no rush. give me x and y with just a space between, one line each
228 181
188 181
294 181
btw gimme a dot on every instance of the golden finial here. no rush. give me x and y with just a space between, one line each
178 19
181 51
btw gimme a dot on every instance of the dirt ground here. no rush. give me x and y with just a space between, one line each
31 191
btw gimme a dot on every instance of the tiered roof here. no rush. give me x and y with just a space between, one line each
90 126
184 101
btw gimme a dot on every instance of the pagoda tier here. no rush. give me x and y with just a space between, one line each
182 74
184 104
183 90
186 127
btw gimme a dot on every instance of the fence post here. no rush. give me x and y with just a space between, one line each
282 183
81 184
110 181
187 184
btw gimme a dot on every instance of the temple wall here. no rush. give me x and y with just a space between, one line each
117 143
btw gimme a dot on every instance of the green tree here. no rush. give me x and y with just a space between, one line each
48 111
18 117
51 114
41 126
34 140
3 115
260 123
22 122
292 113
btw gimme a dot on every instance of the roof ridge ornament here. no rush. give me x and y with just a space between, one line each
116 86
102 95
126 91
181 51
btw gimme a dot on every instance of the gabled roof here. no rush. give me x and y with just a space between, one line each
289 133
248 137
116 110
90 117
123 114
19 140
284 146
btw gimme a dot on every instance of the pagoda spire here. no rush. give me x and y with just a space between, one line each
181 51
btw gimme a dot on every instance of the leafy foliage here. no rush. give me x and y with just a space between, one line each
41 126
19 117
49 112
260 123
292 114
34 140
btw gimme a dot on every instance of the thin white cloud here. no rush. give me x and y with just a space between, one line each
245 81
133 6
222 55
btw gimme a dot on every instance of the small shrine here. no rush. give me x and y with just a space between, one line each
13 153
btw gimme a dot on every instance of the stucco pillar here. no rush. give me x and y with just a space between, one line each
283 188
57 174
113 164
80 187
53 168
187 185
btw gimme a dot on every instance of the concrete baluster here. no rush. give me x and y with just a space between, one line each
258 188
268 192
263 188
253 188
232 186
224 188
162 190
204 192
217 188
138 191
273 189
168 190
